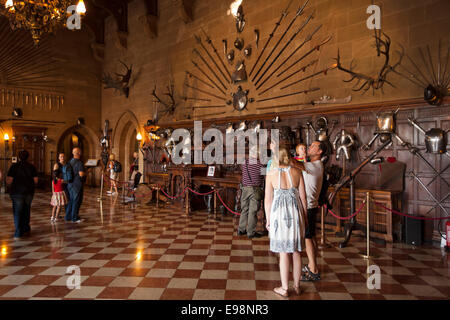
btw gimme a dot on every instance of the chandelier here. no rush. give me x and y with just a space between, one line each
39 16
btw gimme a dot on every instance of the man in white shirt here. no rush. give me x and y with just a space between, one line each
313 177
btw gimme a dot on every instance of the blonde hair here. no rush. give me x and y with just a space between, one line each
112 156
283 158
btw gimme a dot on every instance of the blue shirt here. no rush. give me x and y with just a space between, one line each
77 166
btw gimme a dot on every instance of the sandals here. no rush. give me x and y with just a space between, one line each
297 290
309 275
282 292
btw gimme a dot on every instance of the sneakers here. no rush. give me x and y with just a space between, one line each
255 235
78 221
241 233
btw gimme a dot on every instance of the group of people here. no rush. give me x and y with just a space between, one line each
291 204
67 189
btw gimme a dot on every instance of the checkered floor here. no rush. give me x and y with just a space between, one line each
139 252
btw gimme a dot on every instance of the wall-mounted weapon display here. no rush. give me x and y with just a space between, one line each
329 100
120 82
434 81
343 143
383 47
215 81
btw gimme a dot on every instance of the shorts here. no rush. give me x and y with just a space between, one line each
310 230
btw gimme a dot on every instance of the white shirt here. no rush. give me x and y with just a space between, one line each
313 177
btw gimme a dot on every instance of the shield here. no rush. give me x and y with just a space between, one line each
240 74
240 99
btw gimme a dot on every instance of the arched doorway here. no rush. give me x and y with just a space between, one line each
125 143
81 137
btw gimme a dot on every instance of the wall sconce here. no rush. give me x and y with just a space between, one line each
6 137
139 137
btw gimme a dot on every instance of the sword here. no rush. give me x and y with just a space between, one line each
199 40
206 75
208 40
286 95
205 92
209 67
311 76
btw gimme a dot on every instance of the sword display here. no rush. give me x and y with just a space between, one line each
205 92
286 95
199 41
209 67
208 40
208 77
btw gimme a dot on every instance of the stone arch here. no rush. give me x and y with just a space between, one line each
91 148
123 141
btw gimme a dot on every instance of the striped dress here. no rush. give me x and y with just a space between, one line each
59 197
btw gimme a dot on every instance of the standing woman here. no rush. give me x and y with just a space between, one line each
285 205
112 175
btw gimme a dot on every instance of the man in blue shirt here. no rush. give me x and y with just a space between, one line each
75 187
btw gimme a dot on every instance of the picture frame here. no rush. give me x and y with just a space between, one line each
211 171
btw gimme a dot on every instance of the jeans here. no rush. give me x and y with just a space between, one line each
21 211
76 198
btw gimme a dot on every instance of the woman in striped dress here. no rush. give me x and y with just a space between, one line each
59 197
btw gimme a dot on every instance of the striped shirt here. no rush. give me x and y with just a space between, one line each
251 173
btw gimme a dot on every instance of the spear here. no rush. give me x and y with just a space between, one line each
199 40
286 95
334 66
195 77
285 46
196 99
299 12
211 106
208 40
304 56
209 67
205 92
206 75
283 14
302 69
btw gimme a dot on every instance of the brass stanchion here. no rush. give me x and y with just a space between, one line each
323 242
123 193
367 255
186 200
215 203
157 197
100 198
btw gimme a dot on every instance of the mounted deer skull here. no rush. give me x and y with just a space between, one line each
377 82
169 108
121 82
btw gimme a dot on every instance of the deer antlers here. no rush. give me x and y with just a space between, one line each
171 105
383 48
121 83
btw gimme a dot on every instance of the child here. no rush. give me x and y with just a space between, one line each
300 151
112 175
58 195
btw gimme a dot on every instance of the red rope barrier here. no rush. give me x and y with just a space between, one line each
201 194
407 215
236 213
349 217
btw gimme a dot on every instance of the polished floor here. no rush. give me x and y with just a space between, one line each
139 252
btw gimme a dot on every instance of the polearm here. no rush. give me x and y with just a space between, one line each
210 106
201 80
206 75
208 40
196 99
284 48
307 39
299 12
302 69
311 76
199 41
283 14
209 67
286 95
205 92
304 56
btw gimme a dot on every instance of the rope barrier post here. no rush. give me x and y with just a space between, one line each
100 198
215 203
367 255
157 197
186 201
323 242
123 193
